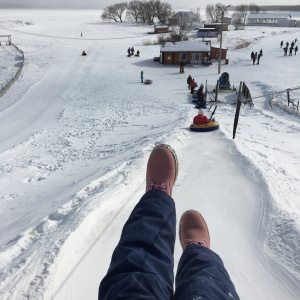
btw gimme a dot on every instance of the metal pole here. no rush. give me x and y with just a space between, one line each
220 50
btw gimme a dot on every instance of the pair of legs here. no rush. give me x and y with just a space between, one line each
142 263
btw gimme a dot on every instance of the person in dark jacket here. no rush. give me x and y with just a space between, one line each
142 76
258 58
281 44
188 81
285 51
291 51
252 55
296 49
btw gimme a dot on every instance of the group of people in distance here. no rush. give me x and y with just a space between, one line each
285 49
200 118
130 51
256 57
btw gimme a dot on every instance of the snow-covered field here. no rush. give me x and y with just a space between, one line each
76 133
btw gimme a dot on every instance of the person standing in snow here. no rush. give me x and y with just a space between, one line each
261 52
296 40
258 58
188 81
132 51
285 51
129 51
142 263
193 85
296 49
142 76
254 58
252 55
291 51
281 44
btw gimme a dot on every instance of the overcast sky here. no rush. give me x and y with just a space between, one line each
176 4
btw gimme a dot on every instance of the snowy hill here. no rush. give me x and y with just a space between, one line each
76 133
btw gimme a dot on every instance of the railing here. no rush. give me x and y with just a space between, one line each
16 76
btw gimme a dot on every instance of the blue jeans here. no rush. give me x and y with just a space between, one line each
142 263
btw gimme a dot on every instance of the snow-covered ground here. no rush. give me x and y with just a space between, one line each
76 133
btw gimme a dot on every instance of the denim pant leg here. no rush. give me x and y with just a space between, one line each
142 263
201 275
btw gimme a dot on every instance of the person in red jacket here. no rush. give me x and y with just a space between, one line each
192 85
200 118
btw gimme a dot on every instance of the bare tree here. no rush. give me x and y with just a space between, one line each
197 13
163 11
133 10
214 12
114 12
254 9
237 20
242 9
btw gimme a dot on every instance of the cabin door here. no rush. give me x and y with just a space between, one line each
196 58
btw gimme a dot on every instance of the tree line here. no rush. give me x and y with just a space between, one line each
148 12
145 12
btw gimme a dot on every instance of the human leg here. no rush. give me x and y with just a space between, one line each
142 263
201 272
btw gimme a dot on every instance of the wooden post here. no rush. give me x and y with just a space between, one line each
217 91
237 112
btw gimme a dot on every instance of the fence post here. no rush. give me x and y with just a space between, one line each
288 96
217 91
237 112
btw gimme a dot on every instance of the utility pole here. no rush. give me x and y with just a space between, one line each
220 50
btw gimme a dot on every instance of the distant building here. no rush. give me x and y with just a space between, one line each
207 33
161 28
217 26
215 51
183 17
274 20
174 53
227 20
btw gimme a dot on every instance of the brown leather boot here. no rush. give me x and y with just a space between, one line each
193 230
162 169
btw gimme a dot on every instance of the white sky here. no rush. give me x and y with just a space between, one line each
102 3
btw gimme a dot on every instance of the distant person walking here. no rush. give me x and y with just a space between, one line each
291 51
296 49
142 76
296 40
287 44
292 44
254 58
258 58
261 52
285 51
132 51
81 33
281 44
252 55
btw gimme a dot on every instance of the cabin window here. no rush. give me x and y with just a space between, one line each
182 56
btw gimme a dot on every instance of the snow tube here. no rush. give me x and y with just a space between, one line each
205 127
148 81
